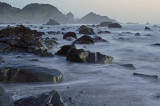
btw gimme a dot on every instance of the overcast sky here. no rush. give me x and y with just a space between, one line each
122 10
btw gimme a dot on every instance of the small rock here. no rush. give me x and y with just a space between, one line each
114 25
147 29
52 22
86 30
130 66
70 34
145 76
137 34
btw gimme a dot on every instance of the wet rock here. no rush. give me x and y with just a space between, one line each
4 47
5 99
22 37
145 76
64 50
129 66
114 25
85 39
147 29
137 34
52 98
104 24
148 35
70 35
41 27
86 30
104 32
29 74
156 44
52 22
50 43
80 55
1 59
99 39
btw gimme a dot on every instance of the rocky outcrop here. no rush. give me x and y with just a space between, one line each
69 35
80 55
114 25
1 60
104 32
64 50
85 39
145 76
22 37
52 22
128 66
29 74
147 29
156 44
52 98
86 30
93 18
5 99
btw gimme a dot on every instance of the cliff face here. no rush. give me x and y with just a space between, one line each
41 13
32 13
93 18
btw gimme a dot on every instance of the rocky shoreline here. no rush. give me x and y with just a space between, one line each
22 39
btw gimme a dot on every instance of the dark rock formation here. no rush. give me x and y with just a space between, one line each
129 66
5 99
24 38
104 24
85 39
32 13
114 25
80 55
156 44
70 35
64 50
52 98
29 74
86 30
147 29
93 18
145 76
104 32
137 34
52 22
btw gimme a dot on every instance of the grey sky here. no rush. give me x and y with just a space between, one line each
122 10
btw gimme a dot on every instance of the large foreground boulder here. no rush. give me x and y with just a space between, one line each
85 39
30 74
5 99
80 55
52 98
52 22
114 25
22 37
86 30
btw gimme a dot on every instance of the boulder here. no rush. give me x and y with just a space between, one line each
137 34
5 99
128 66
104 32
64 50
29 74
22 37
147 29
52 98
104 24
86 30
114 25
70 35
145 76
156 44
85 39
52 22
80 55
